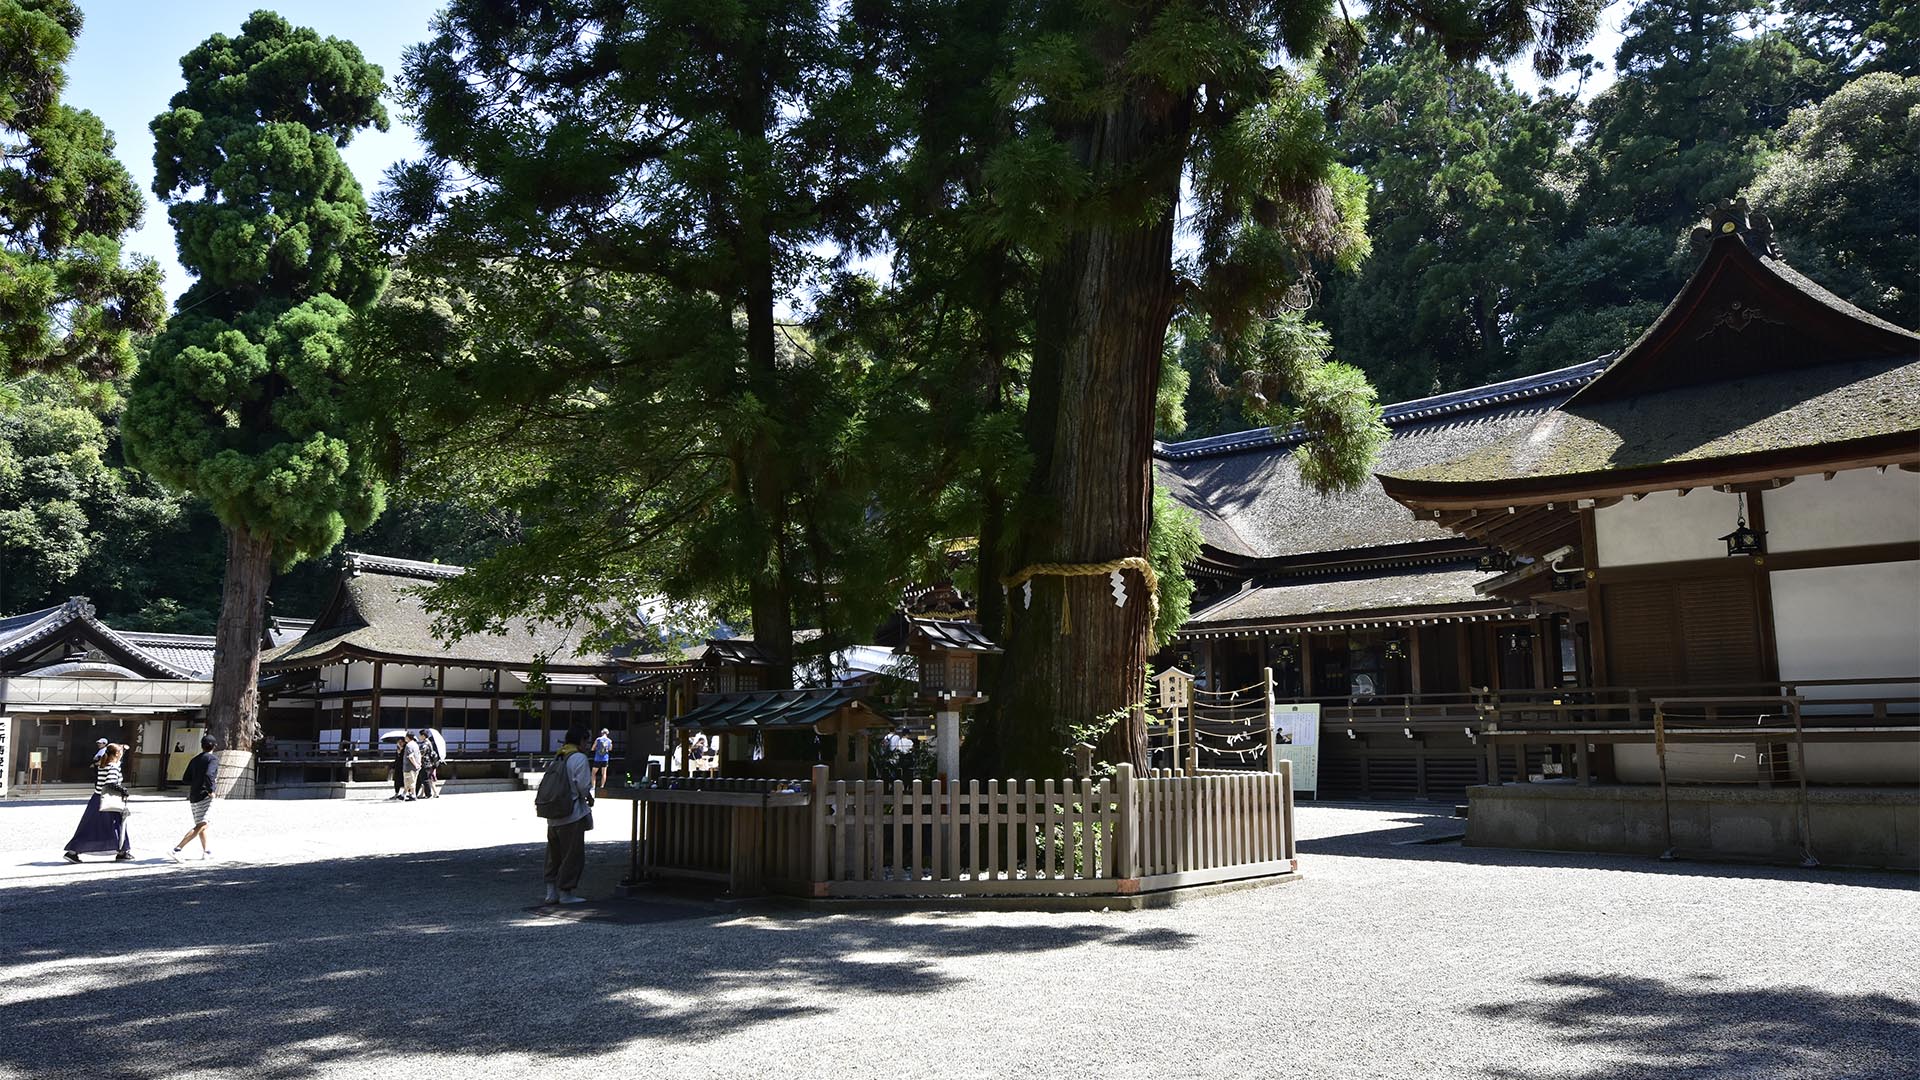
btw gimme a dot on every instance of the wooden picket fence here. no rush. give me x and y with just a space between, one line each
1123 835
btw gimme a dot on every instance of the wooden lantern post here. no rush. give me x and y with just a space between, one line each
948 655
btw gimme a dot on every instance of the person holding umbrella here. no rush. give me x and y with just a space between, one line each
433 750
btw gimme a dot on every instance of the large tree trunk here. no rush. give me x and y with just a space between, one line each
1074 657
234 712
770 590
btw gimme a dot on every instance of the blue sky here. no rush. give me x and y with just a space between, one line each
127 65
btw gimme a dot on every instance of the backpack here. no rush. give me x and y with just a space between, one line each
429 753
554 799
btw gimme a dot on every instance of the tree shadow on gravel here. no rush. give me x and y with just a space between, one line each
1410 835
285 971
1698 1029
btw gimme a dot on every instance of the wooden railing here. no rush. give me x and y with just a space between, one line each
1118 836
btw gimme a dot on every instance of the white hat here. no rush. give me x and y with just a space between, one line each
99 742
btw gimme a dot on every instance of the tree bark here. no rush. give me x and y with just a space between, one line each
1073 656
234 709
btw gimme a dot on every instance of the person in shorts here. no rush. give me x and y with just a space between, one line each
602 755
201 772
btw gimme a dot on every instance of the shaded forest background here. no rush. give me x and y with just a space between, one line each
1511 233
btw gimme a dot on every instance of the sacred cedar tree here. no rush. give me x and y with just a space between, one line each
1117 109
247 400
616 203
67 299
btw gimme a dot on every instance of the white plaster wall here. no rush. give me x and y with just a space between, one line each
1665 527
1847 622
1859 506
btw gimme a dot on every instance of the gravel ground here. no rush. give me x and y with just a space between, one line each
376 940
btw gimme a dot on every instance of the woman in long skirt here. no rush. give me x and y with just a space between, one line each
99 830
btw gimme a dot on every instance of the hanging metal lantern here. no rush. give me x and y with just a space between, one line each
1396 649
1743 540
1288 655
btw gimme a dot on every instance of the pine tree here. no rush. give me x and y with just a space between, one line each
247 400
68 301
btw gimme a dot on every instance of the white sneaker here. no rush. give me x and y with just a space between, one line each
569 898
552 897
206 856
175 855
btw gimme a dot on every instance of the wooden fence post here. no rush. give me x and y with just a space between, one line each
1273 736
1126 830
819 873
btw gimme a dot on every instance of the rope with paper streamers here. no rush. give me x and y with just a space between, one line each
1067 570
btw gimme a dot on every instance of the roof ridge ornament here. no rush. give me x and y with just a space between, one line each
1736 217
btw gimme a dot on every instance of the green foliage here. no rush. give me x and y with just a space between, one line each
1464 209
1841 193
73 519
67 299
1698 97
1173 544
247 399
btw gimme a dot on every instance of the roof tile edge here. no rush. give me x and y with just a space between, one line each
1399 413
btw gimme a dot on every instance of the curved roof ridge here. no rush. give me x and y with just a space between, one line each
360 562
1399 413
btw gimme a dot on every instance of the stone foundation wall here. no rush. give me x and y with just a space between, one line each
1867 827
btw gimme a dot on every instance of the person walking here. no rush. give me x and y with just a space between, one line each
602 756
566 801
411 769
399 770
103 824
429 763
200 776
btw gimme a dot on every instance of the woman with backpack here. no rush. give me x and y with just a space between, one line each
103 825
565 800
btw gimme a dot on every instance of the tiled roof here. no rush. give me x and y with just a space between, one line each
1781 411
1350 598
775 709
33 630
380 610
1751 363
1252 502
191 653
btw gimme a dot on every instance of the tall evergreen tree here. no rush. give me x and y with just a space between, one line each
1841 193
68 301
1467 200
1698 95
619 199
247 400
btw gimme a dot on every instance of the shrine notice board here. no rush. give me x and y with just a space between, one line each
1297 729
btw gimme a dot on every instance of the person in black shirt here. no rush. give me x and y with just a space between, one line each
201 772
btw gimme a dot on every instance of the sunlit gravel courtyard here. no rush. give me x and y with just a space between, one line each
373 940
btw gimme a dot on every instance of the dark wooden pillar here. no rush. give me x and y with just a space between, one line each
1306 666
1539 636
1463 654
1413 659
546 720
493 713
440 704
373 721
